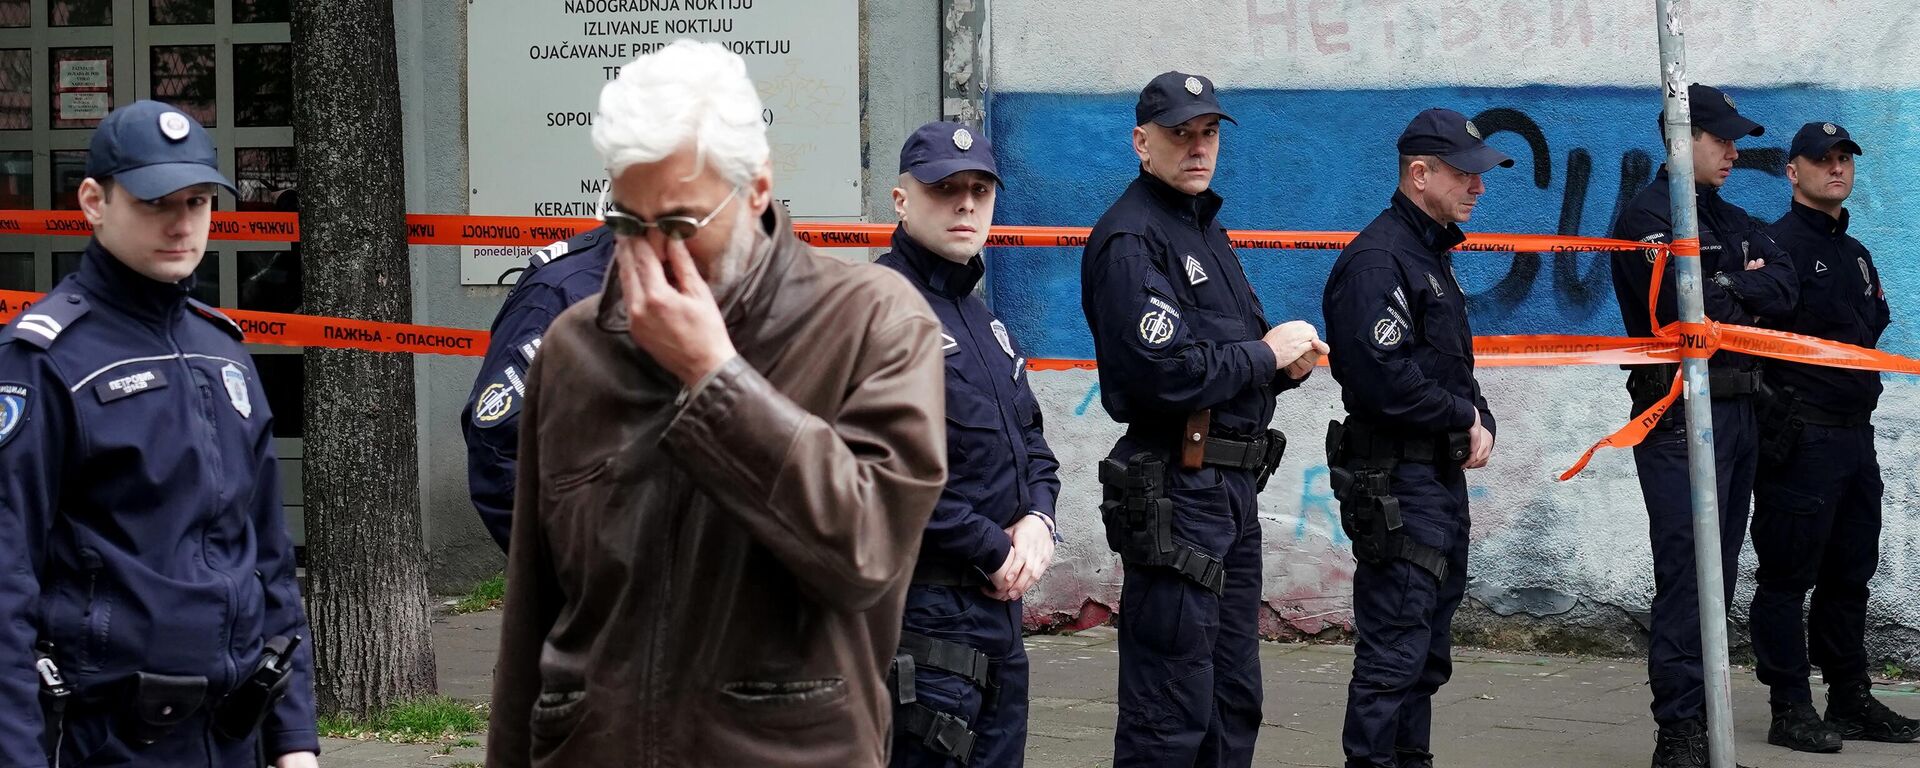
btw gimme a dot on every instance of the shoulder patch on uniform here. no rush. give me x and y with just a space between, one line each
13 409
225 323
235 379
528 350
46 319
1006 341
1159 321
500 399
1653 253
1388 333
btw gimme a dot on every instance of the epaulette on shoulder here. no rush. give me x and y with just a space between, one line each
225 323
44 321
559 250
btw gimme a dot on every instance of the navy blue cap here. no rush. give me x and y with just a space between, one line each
153 150
1713 111
1450 136
1176 97
941 149
1814 139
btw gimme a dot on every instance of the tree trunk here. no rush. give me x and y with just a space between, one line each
367 587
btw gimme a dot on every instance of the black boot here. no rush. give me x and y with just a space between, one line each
1682 745
1412 758
1858 716
1798 727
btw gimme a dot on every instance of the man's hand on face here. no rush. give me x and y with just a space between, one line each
671 312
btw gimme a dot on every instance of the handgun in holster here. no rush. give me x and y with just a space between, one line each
54 692
1136 511
1276 451
1369 512
1777 411
243 709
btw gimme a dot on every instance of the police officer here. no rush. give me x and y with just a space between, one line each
1188 362
148 609
1816 510
1748 277
1415 420
556 276
991 536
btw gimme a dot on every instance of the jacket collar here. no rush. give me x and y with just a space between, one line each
939 274
1434 236
143 297
777 249
1201 207
1819 221
1705 194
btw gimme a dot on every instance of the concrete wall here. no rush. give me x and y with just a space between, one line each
1321 88
900 81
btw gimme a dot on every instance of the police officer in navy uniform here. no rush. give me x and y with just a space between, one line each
148 609
556 276
991 536
1188 362
1749 277
1403 354
1816 509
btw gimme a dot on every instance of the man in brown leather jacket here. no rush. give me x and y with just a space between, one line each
727 461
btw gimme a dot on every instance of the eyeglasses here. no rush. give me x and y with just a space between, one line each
625 224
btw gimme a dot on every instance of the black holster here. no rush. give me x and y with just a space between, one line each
1139 519
1276 449
1360 468
242 710
1369 512
1136 511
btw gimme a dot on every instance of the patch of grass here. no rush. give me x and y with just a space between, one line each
485 595
426 721
467 743
1895 671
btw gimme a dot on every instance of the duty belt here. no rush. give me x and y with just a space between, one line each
1652 382
1367 443
1235 454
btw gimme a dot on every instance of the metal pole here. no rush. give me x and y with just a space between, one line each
1699 402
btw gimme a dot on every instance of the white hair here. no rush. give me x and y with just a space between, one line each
687 92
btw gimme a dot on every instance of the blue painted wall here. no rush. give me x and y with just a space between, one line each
1325 160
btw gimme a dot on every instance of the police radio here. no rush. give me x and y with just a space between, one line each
242 711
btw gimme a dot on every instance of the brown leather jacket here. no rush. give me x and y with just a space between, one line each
716 578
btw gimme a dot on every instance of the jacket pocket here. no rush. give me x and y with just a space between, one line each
97 618
787 704
554 717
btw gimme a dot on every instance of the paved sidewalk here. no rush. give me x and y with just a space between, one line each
1501 710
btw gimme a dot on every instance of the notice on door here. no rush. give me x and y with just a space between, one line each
535 69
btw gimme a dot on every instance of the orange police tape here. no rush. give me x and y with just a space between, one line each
1670 344
308 331
538 231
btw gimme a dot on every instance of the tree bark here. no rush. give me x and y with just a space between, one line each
367 587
